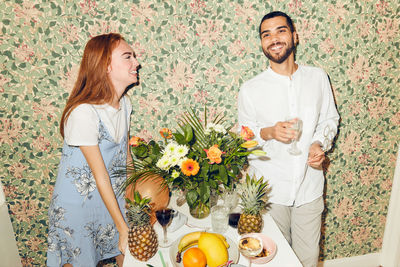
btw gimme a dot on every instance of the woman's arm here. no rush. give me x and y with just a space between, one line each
129 159
95 160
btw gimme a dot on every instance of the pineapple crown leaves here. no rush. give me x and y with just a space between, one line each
139 210
255 195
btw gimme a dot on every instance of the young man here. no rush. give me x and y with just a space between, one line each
287 89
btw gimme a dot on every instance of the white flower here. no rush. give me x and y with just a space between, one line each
164 163
218 128
209 128
170 149
182 151
174 160
175 174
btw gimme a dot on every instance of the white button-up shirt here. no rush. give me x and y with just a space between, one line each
269 98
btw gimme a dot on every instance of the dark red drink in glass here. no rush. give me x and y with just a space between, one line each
234 219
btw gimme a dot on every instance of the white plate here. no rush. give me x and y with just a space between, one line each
233 252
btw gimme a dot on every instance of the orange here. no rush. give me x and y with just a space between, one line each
194 257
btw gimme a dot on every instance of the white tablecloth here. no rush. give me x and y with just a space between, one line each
284 257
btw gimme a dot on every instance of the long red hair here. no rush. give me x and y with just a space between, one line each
93 85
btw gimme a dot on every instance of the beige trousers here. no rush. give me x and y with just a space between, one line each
301 226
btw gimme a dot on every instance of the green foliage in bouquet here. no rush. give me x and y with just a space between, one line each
197 158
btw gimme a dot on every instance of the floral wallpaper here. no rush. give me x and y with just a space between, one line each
193 53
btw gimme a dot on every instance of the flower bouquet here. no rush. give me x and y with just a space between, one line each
198 159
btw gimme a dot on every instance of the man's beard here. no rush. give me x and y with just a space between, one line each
279 59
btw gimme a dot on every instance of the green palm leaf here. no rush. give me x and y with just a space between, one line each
194 121
190 117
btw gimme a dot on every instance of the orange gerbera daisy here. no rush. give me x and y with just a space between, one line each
190 167
166 133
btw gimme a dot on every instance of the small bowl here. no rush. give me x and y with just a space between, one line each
268 244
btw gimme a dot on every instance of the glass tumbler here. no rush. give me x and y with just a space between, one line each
219 218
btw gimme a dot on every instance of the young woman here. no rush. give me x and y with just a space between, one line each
86 216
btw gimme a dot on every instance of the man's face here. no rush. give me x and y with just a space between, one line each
277 40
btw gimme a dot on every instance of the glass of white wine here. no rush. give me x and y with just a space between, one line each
250 245
297 125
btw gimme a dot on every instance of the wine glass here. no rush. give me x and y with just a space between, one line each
231 198
164 217
250 245
297 125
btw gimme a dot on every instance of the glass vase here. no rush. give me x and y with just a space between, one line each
200 211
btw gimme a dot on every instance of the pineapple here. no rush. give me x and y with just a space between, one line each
254 200
142 238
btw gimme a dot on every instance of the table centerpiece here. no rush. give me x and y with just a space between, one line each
197 159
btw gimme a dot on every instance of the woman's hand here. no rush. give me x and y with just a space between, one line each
123 240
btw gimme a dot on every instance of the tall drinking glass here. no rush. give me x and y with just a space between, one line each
164 217
219 218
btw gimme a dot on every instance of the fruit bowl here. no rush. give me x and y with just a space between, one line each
268 244
233 252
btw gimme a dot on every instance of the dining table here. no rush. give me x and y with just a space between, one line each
284 257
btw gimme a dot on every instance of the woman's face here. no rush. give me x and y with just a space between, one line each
123 68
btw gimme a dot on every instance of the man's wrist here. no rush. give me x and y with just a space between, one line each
318 143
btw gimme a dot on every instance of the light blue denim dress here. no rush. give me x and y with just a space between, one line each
81 230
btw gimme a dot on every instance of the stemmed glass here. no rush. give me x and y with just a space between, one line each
164 217
297 125
250 246
231 198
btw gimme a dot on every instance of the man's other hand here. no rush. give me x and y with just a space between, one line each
316 156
